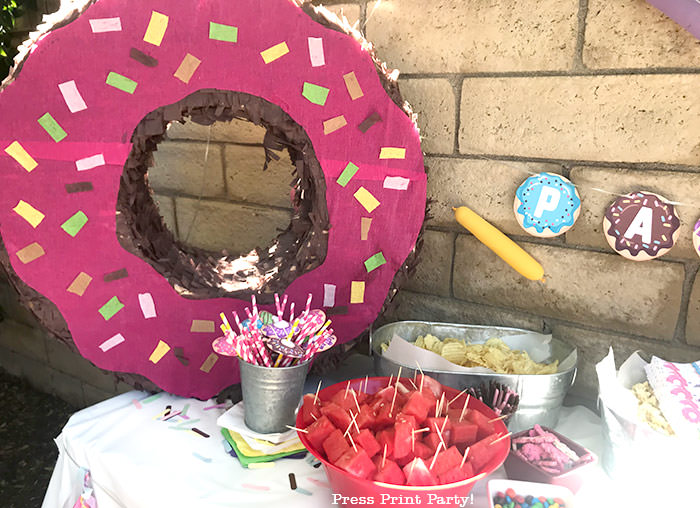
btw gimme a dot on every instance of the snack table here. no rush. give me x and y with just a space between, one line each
137 460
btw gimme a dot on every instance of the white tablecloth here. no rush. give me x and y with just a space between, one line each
137 460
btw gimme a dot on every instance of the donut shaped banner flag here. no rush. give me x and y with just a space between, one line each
641 226
547 205
68 117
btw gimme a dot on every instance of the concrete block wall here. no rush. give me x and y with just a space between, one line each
604 93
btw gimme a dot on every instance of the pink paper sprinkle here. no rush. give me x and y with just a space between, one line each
318 482
214 407
137 404
254 487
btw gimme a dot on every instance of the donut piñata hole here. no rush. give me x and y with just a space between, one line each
86 246
198 273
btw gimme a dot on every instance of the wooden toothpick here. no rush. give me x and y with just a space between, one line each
464 459
297 429
437 450
458 395
498 418
318 389
500 438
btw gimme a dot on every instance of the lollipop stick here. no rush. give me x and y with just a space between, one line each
291 312
308 304
277 306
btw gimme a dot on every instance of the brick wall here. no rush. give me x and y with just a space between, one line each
604 93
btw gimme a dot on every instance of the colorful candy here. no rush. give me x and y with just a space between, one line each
511 499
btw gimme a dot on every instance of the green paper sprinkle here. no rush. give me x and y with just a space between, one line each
375 262
110 308
121 82
226 33
347 174
314 93
153 397
51 126
73 225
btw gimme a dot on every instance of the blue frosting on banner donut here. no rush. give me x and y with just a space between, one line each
547 201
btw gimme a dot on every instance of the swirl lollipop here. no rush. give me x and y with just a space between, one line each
226 345
284 347
278 330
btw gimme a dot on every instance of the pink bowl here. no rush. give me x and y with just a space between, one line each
519 469
345 487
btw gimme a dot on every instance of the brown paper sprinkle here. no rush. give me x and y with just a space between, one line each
365 224
209 363
143 58
369 122
72 188
116 275
202 326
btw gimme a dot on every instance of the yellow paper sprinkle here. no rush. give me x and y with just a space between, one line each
18 153
156 28
275 52
29 213
366 199
159 352
389 152
357 292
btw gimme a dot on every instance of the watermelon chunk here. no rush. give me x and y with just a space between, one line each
482 421
429 385
344 400
432 440
319 431
457 474
442 424
402 439
386 438
389 473
366 417
335 445
464 433
336 414
417 405
422 450
481 452
382 418
446 460
417 473
357 463
310 412
404 418
368 442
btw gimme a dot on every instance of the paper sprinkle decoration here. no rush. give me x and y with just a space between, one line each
375 262
334 124
366 199
148 306
73 225
72 188
396 182
30 253
347 174
143 58
275 52
187 68
225 33
72 96
18 153
29 213
209 362
328 295
105 25
121 82
316 54
353 86
156 28
80 284
389 152
52 128
90 162
315 94
109 309
159 352
202 326
369 122
115 275
357 292
365 224
110 343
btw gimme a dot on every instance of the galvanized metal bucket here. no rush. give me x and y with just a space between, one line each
541 395
271 395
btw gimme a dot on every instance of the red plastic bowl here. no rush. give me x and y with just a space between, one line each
519 469
371 493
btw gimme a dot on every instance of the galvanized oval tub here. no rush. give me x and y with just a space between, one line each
541 395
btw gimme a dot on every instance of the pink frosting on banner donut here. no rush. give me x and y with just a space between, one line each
63 244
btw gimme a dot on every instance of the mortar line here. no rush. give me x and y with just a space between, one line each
650 166
581 35
452 265
224 169
458 88
691 271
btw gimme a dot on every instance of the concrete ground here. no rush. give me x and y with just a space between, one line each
29 421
